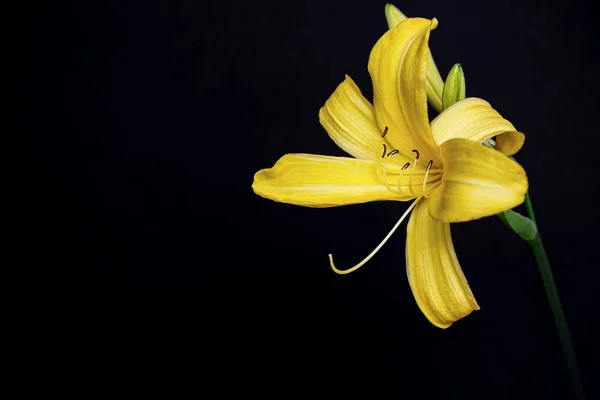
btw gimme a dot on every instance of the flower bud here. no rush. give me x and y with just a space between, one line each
393 15
455 88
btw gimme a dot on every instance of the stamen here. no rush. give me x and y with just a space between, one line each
429 164
391 153
384 150
363 262
412 173
399 183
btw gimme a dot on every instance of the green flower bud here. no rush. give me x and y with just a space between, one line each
455 88
393 15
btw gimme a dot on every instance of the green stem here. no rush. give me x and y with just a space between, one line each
559 317
529 208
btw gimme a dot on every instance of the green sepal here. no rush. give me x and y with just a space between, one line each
455 87
504 220
521 225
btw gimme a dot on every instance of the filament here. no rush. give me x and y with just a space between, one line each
399 183
391 232
390 154
410 180
429 164
412 173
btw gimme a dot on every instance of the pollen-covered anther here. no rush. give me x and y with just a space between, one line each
385 131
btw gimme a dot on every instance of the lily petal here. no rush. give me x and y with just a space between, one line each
476 120
323 181
349 120
477 182
398 67
434 83
436 279
510 143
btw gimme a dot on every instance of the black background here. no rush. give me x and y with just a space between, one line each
148 121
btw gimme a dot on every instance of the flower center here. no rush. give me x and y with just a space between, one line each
420 183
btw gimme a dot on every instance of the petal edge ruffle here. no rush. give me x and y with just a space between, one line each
474 119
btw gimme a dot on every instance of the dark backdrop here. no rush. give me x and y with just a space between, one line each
148 121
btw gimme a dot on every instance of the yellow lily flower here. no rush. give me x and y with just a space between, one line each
399 156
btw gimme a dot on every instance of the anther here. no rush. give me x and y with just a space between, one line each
385 130
405 166
417 152
391 153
